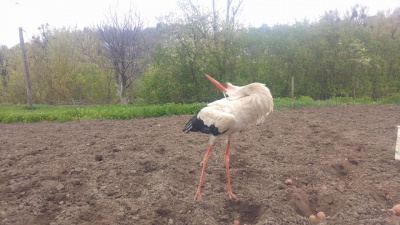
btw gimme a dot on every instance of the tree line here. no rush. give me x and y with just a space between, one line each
119 60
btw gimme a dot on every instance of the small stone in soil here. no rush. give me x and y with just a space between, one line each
98 157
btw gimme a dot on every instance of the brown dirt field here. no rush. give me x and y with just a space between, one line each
341 161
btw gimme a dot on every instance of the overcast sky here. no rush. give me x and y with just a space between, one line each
30 14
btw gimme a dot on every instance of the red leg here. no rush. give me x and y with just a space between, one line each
228 176
205 158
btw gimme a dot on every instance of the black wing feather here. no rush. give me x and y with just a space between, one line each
195 124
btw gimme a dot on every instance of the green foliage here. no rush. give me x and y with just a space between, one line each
19 113
393 99
363 100
343 100
345 59
304 99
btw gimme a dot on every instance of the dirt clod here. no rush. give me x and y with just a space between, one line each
98 157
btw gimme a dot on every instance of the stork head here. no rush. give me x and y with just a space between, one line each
226 88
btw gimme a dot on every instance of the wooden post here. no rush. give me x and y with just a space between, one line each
292 92
27 77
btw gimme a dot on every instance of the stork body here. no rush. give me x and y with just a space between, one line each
241 107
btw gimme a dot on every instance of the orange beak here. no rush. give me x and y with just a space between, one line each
216 84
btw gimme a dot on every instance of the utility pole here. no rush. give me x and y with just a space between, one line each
27 77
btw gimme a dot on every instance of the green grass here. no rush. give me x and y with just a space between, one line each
19 113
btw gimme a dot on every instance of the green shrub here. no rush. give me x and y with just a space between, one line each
393 99
364 100
304 98
343 100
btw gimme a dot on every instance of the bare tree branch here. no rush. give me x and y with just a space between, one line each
122 40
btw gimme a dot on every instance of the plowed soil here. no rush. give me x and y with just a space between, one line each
145 171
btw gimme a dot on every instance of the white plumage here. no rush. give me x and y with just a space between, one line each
241 107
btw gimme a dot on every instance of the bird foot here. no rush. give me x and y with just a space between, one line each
231 195
198 196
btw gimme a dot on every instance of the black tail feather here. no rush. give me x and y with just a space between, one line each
189 126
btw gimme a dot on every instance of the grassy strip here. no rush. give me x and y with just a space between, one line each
19 113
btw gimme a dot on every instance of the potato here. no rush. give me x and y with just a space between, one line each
321 215
288 182
396 210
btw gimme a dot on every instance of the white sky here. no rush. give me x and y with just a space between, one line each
30 14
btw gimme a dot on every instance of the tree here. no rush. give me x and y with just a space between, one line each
3 65
198 41
125 47
358 15
225 49
353 55
184 56
394 21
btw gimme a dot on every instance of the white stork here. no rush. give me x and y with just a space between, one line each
242 106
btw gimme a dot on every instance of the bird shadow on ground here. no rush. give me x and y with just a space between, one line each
245 210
